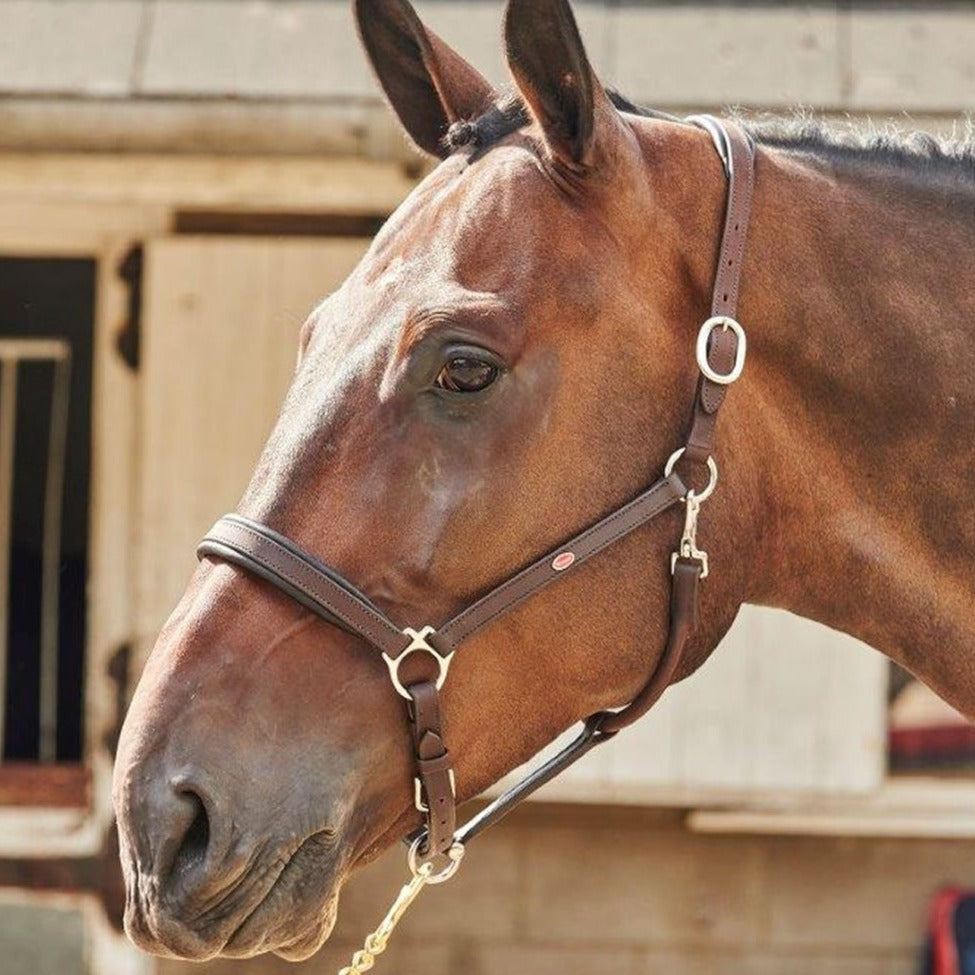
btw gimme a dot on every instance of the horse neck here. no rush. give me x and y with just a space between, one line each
857 406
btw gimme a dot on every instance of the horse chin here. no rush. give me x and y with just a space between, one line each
262 935
293 948
296 916
307 944
291 915
250 939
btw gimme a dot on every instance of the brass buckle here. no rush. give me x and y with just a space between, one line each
419 642
418 791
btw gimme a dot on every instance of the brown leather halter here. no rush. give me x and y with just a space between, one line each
419 659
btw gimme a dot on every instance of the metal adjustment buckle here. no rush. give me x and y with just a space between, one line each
419 642
724 322
418 791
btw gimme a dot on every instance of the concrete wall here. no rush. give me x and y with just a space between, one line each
288 75
560 891
41 940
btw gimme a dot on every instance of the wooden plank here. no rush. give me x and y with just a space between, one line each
852 720
909 808
111 588
64 227
62 785
783 704
712 728
787 752
34 350
51 559
339 186
221 319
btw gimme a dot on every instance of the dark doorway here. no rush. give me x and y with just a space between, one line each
43 299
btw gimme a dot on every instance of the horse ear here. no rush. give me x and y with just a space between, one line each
428 84
549 64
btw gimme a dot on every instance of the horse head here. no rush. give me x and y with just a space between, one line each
511 360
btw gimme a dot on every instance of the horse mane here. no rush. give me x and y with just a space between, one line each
918 156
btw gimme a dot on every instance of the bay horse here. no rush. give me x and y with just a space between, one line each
511 362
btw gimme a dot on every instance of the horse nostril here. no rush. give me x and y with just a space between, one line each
193 847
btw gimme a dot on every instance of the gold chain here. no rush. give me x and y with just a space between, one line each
376 943
364 959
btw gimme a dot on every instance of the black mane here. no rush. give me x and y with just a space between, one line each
509 114
917 155
911 154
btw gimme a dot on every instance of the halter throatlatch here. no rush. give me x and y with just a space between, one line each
419 659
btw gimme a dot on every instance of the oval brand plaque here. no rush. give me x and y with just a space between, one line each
563 560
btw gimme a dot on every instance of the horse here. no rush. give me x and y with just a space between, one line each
511 362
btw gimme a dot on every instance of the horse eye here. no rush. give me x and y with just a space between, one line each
467 374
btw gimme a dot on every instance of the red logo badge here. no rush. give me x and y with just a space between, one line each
562 561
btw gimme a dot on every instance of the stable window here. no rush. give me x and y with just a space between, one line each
46 336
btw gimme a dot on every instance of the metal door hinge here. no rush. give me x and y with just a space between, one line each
118 672
128 338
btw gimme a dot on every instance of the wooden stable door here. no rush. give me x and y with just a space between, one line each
221 317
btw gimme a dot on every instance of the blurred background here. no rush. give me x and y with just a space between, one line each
180 181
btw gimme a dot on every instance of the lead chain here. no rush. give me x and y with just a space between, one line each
423 876
375 944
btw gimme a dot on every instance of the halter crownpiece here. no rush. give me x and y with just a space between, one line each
419 659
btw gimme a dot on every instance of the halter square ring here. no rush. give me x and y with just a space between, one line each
723 322
418 642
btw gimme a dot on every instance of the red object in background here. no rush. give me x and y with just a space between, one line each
928 734
951 932
937 746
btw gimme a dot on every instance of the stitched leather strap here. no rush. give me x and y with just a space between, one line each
433 765
604 726
664 494
740 166
321 589
312 583
683 622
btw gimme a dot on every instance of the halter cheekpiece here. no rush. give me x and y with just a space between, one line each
419 659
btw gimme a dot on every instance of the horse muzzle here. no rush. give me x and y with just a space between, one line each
198 886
